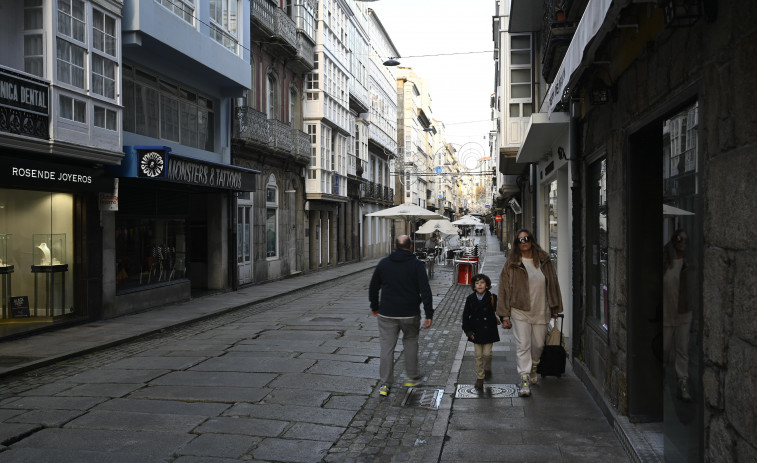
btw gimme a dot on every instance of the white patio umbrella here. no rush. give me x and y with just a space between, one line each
441 225
671 211
467 220
406 212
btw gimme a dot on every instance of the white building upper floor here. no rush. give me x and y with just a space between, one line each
60 65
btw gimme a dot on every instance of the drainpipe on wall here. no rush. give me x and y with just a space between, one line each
533 187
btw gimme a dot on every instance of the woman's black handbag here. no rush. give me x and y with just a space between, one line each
553 357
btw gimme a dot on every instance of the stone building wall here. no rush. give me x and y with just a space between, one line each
716 64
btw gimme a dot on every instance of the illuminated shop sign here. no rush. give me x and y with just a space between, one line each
24 173
158 163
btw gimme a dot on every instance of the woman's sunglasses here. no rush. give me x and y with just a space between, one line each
525 239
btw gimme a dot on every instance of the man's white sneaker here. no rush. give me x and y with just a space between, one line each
534 376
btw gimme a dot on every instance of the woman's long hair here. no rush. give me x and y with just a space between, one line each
516 254
670 253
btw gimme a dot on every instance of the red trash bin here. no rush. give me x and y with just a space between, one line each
466 268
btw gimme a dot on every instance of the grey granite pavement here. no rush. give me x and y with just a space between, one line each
286 372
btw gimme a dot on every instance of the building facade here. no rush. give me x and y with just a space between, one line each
60 112
184 66
269 137
643 119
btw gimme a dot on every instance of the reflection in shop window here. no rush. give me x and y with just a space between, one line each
597 240
149 251
271 222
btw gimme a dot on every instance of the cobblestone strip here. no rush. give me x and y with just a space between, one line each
383 430
14 385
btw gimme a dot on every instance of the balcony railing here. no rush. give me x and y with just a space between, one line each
281 134
262 12
285 28
252 126
305 52
376 192
557 32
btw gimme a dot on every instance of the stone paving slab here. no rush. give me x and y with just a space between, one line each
168 407
228 446
245 426
202 394
303 451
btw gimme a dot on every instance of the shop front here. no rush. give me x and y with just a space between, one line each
50 250
171 234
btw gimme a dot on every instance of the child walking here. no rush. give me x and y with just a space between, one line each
480 325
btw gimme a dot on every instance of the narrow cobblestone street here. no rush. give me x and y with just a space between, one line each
294 379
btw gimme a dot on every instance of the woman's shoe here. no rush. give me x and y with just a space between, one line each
525 388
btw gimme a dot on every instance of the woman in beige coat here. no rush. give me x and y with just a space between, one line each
529 295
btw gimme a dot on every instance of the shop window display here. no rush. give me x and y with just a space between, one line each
149 252
36 250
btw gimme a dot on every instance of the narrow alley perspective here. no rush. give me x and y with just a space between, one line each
291 377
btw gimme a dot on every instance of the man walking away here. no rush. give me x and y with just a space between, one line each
401 278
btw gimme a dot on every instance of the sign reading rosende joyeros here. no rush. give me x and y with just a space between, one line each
159 164
25 173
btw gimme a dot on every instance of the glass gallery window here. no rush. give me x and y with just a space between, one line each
272 216
151 238
36 257
158 108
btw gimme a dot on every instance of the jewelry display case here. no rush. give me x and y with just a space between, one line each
49 259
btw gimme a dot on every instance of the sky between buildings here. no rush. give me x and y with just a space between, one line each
460 85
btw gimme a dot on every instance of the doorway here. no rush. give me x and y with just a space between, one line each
244 238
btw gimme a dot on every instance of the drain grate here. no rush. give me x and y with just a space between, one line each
425 397
490 391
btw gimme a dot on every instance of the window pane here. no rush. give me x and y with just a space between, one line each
519 76
188 124
128 102
147 118
520 57
515 110
527 109
99 116
520 91
270 229
169 118
520 42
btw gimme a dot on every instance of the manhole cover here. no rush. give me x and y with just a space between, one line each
490 391
425 397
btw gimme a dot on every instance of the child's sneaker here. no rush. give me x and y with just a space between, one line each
384 391
525 389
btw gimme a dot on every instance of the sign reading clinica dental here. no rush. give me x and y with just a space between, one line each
24 104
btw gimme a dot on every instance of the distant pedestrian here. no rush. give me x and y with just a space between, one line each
480 325
529 294
403 283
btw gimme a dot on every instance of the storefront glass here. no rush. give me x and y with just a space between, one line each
149 251
551 245
681 248
151 236
597 239
36 259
